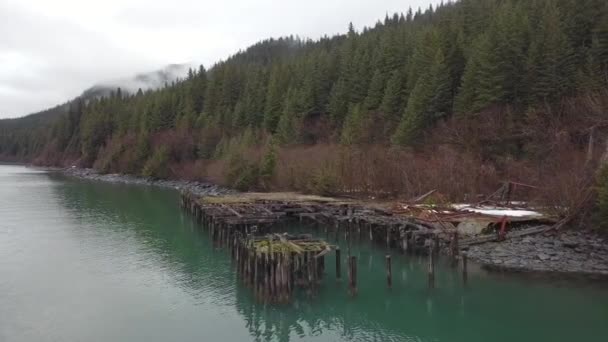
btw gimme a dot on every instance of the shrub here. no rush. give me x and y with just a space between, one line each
268 165
242 175
157 165
602 196
247 178
323 182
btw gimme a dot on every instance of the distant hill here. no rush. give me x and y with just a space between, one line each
144 81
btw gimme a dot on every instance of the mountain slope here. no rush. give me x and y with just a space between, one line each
456 98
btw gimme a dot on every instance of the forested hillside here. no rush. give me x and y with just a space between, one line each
455 98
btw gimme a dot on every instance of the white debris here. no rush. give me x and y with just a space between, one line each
497 211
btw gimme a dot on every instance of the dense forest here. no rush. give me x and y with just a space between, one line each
456 98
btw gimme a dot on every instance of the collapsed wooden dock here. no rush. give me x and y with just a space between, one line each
261 213
274 263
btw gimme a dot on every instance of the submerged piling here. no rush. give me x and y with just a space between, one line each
352 275
431 270
389 272
464 268
338 264
454 251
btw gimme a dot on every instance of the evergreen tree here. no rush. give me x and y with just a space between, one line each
550 61
199 85
394 97
376 88
429 101
354 129
338 102
274 99
599 47
288 127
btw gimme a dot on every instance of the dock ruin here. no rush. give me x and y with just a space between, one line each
274 262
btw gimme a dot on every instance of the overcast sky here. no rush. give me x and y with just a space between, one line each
51 50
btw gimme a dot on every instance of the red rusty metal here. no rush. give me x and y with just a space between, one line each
503 229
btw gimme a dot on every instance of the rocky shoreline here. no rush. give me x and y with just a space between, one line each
197 188
568 253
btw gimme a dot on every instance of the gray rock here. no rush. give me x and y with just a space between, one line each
543 257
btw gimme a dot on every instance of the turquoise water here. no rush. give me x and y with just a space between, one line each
87 261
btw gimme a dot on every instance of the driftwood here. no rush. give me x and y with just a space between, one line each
422 197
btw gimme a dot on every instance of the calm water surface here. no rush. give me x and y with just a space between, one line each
87 261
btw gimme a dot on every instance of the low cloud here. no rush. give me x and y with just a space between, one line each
50 51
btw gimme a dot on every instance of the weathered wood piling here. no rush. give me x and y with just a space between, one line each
352 275
389 272
338 264
464 268
431 269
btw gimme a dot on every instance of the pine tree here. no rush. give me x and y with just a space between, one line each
430 100
600 44
375 92
394 97
338 102
354 129
550 61
422 59
274 99
467 95
268 164
288 126
199 85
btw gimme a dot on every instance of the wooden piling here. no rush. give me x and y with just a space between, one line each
389 272
454 252
310 270
408 242
320 266
352 275
338 264
464 268
431 270
437 245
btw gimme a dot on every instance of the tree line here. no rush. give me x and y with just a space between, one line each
389 84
